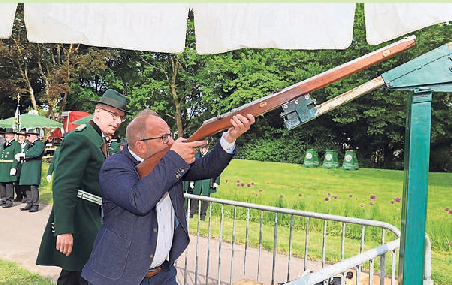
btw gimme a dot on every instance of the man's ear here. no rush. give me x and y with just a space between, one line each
96 114
139 147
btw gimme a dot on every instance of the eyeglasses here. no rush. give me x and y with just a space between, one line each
114 116
165 138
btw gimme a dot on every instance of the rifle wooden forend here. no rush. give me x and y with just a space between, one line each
270 102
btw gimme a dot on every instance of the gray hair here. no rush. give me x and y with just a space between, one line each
138 127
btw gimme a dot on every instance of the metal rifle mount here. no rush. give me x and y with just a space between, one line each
298 111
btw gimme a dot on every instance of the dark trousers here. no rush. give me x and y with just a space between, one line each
20 191
71 278
194 205
32 195
166 276
6 192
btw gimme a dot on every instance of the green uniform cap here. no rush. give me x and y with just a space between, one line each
9 131
33 131
114 99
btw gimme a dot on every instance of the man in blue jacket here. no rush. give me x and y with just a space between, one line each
144 228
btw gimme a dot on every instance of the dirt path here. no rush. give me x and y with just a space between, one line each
21 237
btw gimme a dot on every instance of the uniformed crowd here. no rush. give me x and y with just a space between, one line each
20 168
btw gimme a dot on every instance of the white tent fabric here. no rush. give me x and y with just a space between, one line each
139 26
222 27
7 11
387 21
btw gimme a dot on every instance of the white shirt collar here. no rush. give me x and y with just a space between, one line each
135 156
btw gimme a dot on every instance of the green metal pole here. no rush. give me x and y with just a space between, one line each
415 189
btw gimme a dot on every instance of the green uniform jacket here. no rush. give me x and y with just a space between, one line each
113 148
30 173
78 167
8 161
205 187
186 185
53 164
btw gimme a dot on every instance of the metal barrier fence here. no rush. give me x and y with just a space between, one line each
215 261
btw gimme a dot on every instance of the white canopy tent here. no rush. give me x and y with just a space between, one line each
219 27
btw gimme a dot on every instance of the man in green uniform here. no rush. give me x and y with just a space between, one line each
30 173
202 187
76 215
55 158
8 168
21 195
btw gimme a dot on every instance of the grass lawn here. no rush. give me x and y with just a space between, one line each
45 189
12 274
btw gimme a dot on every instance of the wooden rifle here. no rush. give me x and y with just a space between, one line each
270 102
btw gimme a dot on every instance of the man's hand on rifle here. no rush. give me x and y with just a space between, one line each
187 150
240 125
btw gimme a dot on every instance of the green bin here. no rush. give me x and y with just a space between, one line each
350 161
311 158
330 160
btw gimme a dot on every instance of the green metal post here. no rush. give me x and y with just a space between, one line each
415 189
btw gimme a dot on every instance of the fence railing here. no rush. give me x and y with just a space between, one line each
224 260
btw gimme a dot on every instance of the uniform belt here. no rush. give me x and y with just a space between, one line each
89 197
153 271
6 160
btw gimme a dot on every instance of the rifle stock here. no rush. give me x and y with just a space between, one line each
270 102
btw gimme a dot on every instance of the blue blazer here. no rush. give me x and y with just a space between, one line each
125 246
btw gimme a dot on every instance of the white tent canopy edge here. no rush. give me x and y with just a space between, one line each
219 27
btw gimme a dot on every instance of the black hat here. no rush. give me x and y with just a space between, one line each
34 131
9 131
114 99
22 132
